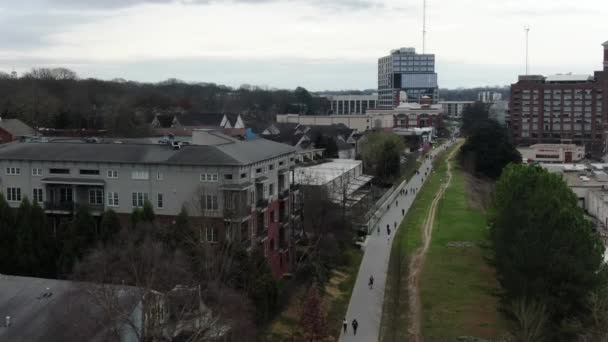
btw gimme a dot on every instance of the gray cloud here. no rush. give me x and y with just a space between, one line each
24 31
109 4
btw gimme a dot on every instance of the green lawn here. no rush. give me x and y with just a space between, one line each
394 313
458 287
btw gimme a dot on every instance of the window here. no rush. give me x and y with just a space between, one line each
66 195
38 196
160 176
271 190
96 196
271 167
208 177
36 171
141 175
112 174
13 194
265 194
276 216
13 171
228 177
211 202
159 201
211 233
251 197
112 199
139 198
281 163
89 172
59 171
258 170
243 175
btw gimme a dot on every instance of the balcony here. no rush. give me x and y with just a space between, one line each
262 203
59 206
284 195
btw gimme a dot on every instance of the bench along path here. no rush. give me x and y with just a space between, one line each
366 305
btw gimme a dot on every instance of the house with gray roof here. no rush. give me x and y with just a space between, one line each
14 129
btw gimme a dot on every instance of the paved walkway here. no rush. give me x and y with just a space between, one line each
366 305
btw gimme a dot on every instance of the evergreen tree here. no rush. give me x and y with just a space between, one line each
44 244
109 226
24 243
77 238
262 287
7 237
545 249
313 318
147 213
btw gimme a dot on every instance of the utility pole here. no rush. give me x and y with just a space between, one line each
527 30
423 26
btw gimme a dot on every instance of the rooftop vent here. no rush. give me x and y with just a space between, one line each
7 321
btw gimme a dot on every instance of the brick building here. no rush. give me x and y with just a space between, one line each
561 109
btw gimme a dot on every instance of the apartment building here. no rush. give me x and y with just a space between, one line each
236 190
404 69
453 109
561 108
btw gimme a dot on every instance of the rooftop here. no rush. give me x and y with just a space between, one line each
568 78
322 174
234 153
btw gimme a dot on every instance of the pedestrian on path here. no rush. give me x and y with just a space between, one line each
378 230
402 212
371 282
355 326
388 229
397 203
395 225
345 325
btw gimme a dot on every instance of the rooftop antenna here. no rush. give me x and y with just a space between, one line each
527 30
423 26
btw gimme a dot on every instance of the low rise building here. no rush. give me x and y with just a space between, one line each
552 153
453 109
343 179
362 123
351 104
236 190
14 129
414 115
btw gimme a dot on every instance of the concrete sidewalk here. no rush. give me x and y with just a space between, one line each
366 305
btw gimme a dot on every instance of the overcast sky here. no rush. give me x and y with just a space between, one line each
318 44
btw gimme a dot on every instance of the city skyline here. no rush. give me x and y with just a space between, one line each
321 45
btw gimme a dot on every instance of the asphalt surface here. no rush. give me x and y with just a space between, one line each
366 304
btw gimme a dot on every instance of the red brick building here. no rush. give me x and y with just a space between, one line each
561 109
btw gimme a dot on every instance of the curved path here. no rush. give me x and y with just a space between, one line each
417 261
366 304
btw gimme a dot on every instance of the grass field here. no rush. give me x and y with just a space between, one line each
394 313
457 286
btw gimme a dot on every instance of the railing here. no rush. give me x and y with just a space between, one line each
59 206
284 194
262 203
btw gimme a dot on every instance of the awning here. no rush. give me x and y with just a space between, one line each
236 186
261 179
73 181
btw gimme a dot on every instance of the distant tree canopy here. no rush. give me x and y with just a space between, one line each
381 154
488 149
58 98
545 249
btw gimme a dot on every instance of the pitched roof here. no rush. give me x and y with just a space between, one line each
235 153
200 119
16 127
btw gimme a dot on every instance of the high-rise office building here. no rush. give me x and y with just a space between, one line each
404 69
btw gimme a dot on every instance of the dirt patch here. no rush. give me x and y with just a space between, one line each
417 262
332 289
479 191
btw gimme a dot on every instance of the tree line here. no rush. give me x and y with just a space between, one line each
58 98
